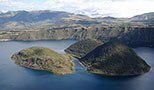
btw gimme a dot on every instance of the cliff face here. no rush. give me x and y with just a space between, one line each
139 37
81 48
115 59
44 59
133 36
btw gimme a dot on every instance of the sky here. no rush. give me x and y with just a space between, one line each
115 8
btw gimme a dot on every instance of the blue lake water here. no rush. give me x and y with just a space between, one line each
14 77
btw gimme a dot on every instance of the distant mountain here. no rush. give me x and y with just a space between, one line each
93 14
146 18
33 16
110 18
32 19
24 20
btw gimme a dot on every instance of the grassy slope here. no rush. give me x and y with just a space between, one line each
44 59
81 48
114 58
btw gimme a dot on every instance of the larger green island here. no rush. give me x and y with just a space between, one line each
114 59
40 58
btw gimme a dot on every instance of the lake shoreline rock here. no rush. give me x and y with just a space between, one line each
114 75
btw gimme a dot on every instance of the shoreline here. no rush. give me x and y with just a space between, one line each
117 75
112 75
4 40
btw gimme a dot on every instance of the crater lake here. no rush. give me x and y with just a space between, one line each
14 77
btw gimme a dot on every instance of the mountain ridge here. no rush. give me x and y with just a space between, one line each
63 25
47 17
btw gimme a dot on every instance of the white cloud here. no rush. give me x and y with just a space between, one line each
117 8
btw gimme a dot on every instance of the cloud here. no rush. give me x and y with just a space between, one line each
116 8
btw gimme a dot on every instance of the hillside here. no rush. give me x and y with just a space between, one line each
81 48
42 25
25 20
114 59
145 18
19 20
40 58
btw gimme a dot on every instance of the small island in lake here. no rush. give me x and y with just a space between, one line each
114 59
40 58
81 48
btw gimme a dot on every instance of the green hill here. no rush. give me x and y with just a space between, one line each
40 58
114 59
81 48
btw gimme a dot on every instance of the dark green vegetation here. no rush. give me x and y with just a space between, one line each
40 25
115 59
40 58
81 48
